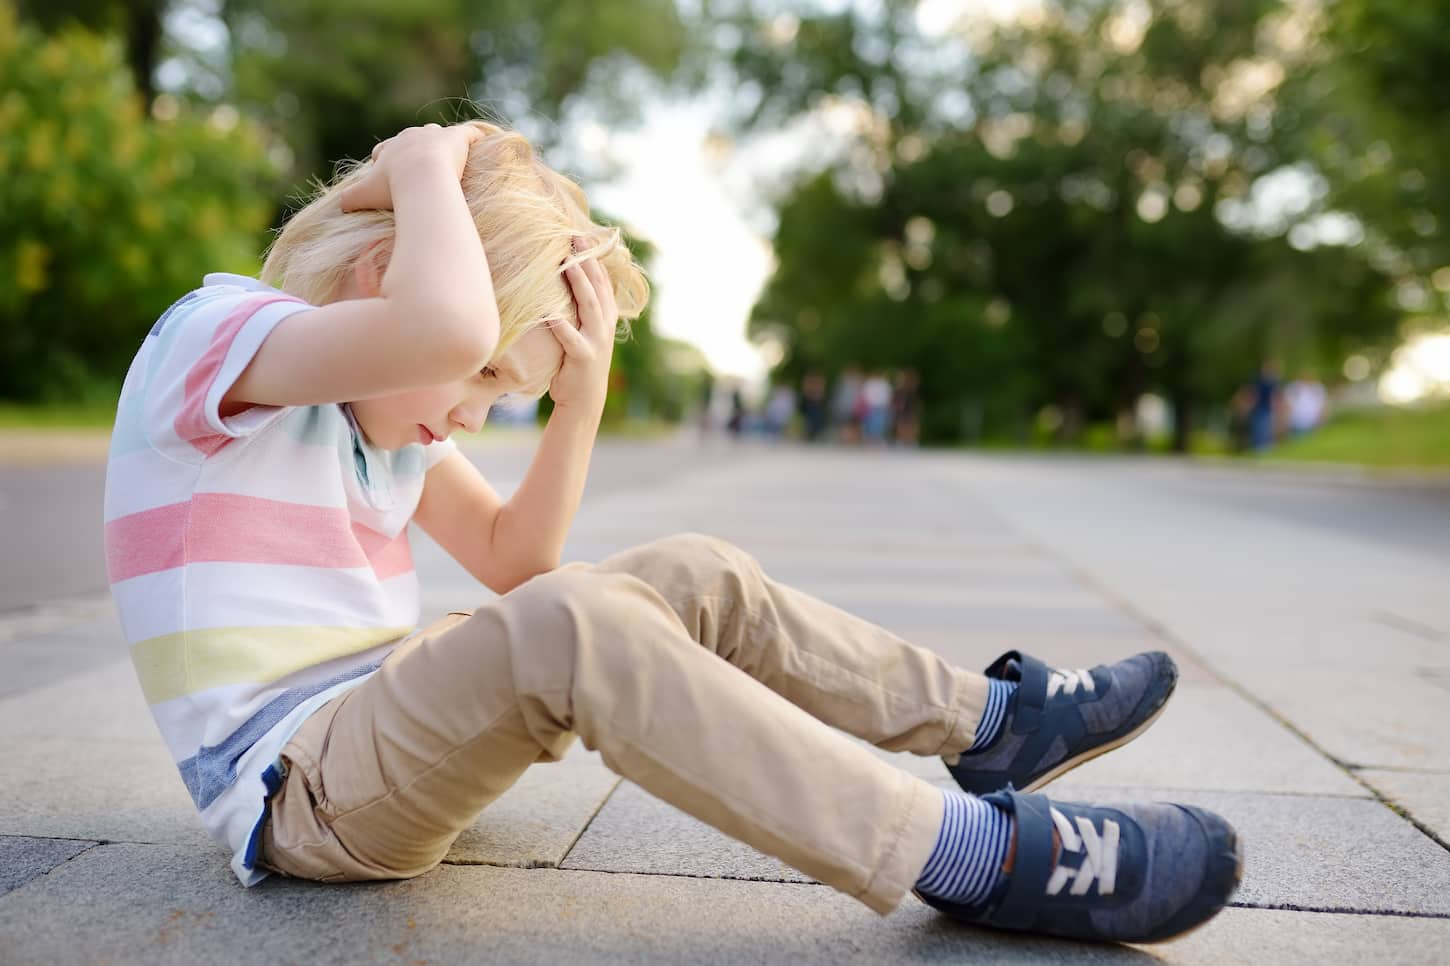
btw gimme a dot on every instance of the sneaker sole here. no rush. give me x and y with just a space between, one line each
1069 764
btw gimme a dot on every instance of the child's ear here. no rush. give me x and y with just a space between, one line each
368 271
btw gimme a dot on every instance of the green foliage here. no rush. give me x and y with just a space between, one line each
106 215
1377 112
333 77
1062 236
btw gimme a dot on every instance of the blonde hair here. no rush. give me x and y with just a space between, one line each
527 215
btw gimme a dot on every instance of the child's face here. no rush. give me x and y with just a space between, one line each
392 422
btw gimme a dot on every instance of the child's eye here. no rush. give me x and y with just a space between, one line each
488 372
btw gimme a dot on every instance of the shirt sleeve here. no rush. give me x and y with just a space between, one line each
201 346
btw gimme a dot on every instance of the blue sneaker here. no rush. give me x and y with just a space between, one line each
1056 720
1124 873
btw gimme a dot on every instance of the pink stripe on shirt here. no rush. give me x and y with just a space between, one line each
191 424
388 557
231 528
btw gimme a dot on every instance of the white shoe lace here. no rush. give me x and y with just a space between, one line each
1100 862
1069 681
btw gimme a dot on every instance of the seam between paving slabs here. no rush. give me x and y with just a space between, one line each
1265 907
1338 910
1156 627
544 863
1347 768
1165 634
35 878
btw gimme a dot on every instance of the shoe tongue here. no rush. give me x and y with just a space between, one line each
1013 670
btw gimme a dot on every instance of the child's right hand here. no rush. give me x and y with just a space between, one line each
409 150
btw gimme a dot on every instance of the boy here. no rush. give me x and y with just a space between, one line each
274 440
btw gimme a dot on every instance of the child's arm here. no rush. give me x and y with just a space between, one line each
504 544
434 320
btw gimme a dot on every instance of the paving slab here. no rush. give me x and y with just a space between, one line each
103 702
636 832
976 648
140 904
534 823
23 858
1309 852
1425 796
126 791
968 616
889 589
44 618
1385 717
1210 737
1315 633
38 650
1288 838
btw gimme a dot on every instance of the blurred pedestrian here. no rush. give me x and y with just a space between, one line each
779 411
845 421
1305 402
735 425
906 408
1265 407
813 406
875 408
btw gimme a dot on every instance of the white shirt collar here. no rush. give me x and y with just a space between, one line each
244 281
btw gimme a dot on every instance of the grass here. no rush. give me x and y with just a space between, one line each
99 414
1385 437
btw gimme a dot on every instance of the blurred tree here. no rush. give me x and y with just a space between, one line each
139 22
104 215
1376 120
1075 201
336 76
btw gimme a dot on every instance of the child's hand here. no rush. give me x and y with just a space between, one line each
583 380
408 150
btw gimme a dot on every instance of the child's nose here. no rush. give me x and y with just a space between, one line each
470 418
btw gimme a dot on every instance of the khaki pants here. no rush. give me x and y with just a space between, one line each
691 672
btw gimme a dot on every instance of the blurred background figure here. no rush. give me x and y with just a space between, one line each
813 407
735 422
1306 402
518 414
845 420
875 408
1264 407
906 408
779 411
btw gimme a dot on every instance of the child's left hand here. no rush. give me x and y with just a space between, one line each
583 379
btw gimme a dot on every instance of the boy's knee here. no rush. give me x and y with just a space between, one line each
561 611
699 554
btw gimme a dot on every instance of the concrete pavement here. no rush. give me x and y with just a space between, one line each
1309 619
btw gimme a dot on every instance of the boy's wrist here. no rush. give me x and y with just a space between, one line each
576 409
426 169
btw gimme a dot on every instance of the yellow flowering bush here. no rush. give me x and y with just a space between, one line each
110 209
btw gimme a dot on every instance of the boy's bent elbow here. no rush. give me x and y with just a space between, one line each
466 340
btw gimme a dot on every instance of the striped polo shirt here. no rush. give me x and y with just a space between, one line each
259 563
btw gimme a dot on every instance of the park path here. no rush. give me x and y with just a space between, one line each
1310 621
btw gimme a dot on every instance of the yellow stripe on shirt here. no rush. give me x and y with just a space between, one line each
174 665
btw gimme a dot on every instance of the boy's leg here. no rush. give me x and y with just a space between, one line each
846 671
383 779
868 682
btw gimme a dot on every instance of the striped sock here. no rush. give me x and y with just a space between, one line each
999 692
969 851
